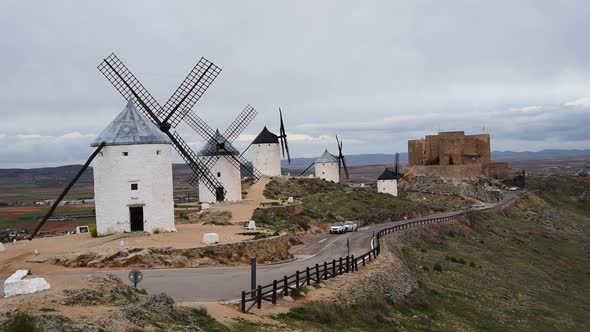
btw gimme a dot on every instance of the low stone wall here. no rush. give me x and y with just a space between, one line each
275 249
450 171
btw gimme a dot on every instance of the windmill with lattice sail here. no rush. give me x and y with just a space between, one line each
328 166
177 108
221 159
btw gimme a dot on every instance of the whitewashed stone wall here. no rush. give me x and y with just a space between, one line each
147 165
327 171
387 187
229 177
266 158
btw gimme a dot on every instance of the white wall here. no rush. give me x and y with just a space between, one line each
327 171
266 158
113 175
387 187
229 178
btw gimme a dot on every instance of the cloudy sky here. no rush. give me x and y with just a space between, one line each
375 72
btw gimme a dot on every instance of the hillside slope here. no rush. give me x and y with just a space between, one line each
524 269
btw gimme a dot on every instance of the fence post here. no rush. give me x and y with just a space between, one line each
243 301
333 268
259 297
340 266
370 255
297 279
353 263
285 286
274 291
347 264
317 273
325 270
307 276
363 260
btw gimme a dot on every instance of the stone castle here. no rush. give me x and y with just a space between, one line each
449 148
454 154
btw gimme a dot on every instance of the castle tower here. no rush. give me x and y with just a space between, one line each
327 167
266 154
133 176
226 173
387 183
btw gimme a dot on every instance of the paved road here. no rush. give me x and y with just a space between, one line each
226 283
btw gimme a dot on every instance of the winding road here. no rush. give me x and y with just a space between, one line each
216 284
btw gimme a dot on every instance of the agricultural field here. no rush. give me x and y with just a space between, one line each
26 217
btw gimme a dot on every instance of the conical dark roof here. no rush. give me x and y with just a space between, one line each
266 137
327 157
218 146
131 127
387 175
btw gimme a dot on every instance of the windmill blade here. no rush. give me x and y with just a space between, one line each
189 92
199 125
240 123
240 162
308 167
283 136
199 171
341 158
345 168
129 86
66 190
246 149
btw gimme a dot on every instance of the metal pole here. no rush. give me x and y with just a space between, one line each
348 246
253 273
66 190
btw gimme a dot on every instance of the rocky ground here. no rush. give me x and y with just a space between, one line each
106 305
482 188
268 250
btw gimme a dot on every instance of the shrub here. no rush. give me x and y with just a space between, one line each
437 267
461 261
472 264
157 231
21 322
93 231
425 268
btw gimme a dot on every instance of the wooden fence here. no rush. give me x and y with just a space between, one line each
326 270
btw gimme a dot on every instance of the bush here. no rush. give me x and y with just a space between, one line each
21 322
93 231
157 231
472 264
437 267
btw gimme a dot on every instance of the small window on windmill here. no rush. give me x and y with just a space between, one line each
125 153
158 152
134 186
218 174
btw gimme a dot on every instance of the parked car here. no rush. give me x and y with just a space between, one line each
513 188
350 226
337 227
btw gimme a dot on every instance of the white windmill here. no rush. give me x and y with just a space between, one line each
133 176
328 166
266 155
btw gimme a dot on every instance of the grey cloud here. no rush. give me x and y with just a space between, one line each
377 73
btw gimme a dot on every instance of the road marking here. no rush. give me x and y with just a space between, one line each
322 240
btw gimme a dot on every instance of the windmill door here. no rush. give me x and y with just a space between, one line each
136 218
219 196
